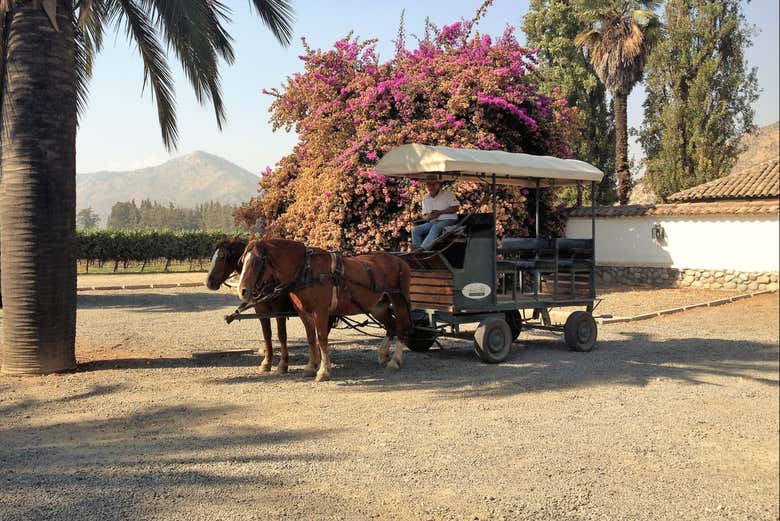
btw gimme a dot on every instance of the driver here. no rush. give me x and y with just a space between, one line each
439 210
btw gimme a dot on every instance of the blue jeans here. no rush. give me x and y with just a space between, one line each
424 234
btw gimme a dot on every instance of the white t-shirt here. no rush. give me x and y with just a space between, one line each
443 200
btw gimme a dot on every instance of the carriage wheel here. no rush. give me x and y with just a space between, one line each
493 340
420 340
580 331
515 323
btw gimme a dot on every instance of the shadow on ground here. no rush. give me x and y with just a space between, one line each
125 466
541 364
158 301
547 364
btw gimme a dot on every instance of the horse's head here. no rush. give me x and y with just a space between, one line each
225 261
256 272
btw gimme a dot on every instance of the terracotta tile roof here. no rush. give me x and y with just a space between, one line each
743 207
760 180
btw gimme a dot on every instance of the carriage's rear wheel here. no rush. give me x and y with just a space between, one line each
580 331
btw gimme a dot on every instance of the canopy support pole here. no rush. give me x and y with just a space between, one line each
593 238
537 228
495 224
536 218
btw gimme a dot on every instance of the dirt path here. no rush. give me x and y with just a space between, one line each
672 418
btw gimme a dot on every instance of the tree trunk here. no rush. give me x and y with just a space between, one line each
621 148
38 193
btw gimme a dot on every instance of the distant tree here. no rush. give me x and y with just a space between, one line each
124 215
620 36
87 219
216 216
551 26
700 94
146 214
150 214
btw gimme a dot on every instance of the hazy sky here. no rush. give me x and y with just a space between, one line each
119 130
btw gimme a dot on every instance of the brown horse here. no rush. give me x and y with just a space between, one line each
322 284
224 263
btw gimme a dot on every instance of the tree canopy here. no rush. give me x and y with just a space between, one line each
349 108
700 94
209 216
551 26
619 36
87 219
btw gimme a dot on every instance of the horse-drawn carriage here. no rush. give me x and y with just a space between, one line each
463 278
466 278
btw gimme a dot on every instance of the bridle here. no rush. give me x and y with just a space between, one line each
258 263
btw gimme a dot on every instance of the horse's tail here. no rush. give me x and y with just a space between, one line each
404 316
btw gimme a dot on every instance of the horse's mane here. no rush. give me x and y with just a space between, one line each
229 242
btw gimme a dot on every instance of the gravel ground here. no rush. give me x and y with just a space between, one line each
671 418
139 278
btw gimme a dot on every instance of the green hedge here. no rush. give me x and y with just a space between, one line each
146 245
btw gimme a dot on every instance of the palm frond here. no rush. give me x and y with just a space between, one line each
156 71
217 14
587 38
83 56
188 28
620 46
643 17
278 16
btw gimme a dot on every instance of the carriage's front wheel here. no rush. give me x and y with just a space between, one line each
515 322
420 343
493 340
421 340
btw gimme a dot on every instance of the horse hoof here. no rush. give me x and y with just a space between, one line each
264 368
309 370
394 365
322 377
280 369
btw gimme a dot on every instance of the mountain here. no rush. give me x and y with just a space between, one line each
760 146
185 181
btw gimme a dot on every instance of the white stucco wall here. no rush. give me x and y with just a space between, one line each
749 243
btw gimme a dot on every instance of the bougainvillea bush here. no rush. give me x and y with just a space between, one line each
349 108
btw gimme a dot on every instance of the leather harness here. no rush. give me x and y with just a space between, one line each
336 276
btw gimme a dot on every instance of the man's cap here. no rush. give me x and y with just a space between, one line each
431 178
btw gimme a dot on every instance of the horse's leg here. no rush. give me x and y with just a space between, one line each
381 312
268 358
311 337
397 359
402 322
281 332
322 323
383 354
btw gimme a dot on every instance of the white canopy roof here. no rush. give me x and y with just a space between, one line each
419 161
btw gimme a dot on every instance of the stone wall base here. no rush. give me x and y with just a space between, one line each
729 280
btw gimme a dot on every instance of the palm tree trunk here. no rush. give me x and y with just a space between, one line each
621 148
38 193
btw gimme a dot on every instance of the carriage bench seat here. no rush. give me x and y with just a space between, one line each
526 253
574 254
